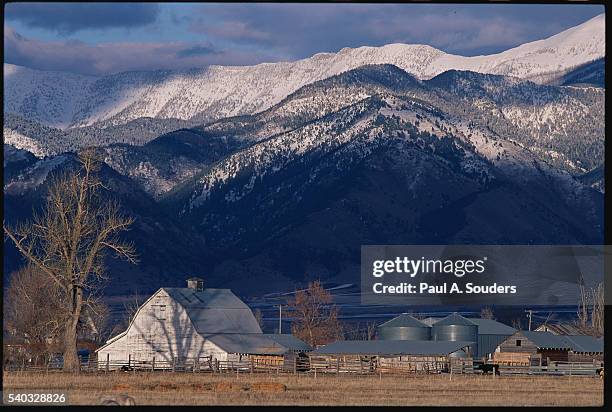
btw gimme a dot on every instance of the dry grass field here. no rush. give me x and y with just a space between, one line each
208 389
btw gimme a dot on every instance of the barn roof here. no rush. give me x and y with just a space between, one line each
289 341
256 343
546 340
206 298
215 311
583 343
403 320
392 347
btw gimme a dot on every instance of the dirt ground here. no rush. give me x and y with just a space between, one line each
206 389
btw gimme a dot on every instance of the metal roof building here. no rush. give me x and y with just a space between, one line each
546 340
584 344
258 343
193 322
546 346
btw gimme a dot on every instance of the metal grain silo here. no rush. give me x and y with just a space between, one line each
404 327
456 328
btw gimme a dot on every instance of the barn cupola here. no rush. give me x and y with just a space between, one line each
195 283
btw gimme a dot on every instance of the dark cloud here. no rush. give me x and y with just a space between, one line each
200 50
67 18
104 58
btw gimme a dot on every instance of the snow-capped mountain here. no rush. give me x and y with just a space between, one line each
370 156
65 100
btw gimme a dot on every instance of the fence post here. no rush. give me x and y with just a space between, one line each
129 361
295 361
107 362
252 361
153 365
173 364
337 365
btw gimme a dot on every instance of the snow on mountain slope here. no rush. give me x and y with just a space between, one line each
568 49
19 141
69 100
48 97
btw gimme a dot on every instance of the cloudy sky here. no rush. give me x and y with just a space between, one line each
102 38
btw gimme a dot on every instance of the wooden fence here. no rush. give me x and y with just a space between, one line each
194 365
314 365
555 368
310 365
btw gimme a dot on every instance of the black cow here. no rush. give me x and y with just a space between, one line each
487 368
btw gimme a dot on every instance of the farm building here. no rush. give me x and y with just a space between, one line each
532 347
488 332
584 348
389 355
176 324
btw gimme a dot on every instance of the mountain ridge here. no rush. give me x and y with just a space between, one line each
223 91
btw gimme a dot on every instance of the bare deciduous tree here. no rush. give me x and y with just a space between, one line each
591 309
487 313
33 310
359 331
315 318
597 316
583 306
94 323
68 242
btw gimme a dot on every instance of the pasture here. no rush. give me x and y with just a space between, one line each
217 389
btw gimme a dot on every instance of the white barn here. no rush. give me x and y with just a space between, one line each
176 324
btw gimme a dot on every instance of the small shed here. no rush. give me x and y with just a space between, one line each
529 347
